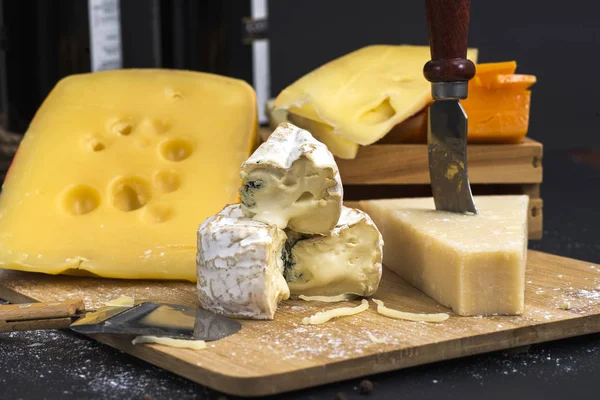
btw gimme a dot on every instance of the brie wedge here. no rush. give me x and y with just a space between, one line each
292 181
240 266
347 261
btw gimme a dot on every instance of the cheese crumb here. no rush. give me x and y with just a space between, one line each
324 316
374 338
388 312
167 341
329 299
565 305
123 301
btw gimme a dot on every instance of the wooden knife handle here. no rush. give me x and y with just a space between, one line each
35 316
448 24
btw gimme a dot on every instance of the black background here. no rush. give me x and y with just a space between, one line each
558 41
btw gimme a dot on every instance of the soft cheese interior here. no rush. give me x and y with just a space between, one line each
472 263
292 181
347 261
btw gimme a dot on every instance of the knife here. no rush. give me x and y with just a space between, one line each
143 318
449 72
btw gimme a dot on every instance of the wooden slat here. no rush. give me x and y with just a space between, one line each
268 357
365 192
408 164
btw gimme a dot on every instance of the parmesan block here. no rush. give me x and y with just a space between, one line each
363 94
240 266
346 262
474 264
292 181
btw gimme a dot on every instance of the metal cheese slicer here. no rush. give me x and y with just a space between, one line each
143 318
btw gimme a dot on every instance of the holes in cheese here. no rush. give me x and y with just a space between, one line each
119 126
380 113
306 196
167 181
324 316
80 199
173 94
175 149
129 194
93 144
388 312
155 126
156 213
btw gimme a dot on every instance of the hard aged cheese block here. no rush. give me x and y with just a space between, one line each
240 265
347 261
474 264
119 168
292 181
363 94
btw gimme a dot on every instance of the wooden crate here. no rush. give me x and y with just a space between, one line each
402 170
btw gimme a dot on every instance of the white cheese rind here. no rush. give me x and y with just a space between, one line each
346 262
240 267
292 181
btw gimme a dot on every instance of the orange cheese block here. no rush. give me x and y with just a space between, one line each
119 168
498 104
487 71
497 108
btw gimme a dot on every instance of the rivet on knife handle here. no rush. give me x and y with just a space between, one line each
449 72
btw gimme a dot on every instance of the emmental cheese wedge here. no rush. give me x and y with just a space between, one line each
346 262
362 95
292 181
119 168
240 265
474 264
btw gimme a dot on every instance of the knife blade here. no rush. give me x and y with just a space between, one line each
449 72
143 318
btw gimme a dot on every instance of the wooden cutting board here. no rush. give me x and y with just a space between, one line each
283 355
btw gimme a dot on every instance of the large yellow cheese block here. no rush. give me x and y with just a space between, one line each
362 95
119 168
474 264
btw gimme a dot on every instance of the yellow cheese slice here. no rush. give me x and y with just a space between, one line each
119 168
474 264
363 94
338 145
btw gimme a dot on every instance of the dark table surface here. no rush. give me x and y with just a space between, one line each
54 365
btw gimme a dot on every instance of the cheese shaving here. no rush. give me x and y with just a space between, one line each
329 299
167 341
123 301
388 312
565 305
324 316
374 338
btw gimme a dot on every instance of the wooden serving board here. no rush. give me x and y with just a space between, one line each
268 357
